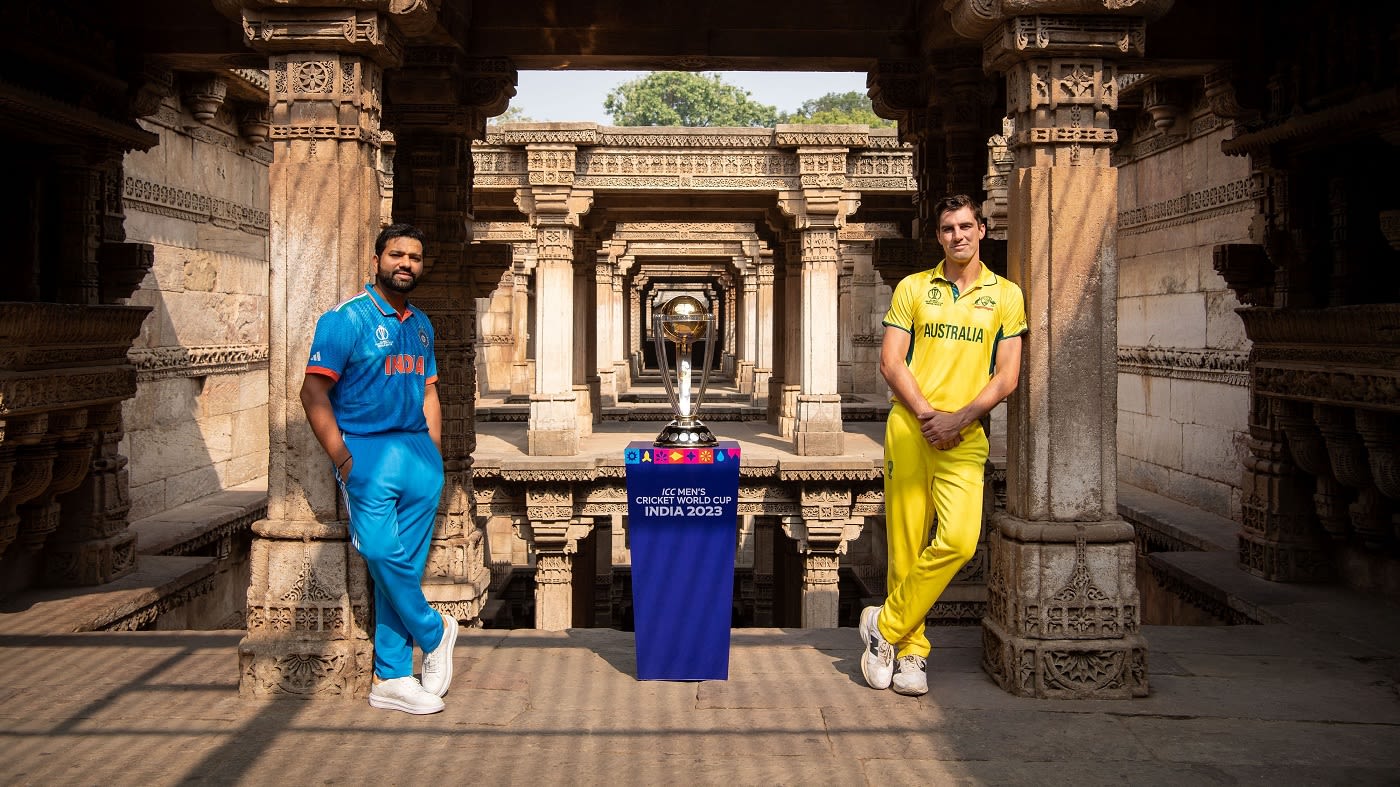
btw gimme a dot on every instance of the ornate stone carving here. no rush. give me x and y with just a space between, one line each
337 30
157 363
1248 271
204 95
1225 198
163 200
1219 366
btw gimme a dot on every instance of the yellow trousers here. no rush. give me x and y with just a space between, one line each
921 481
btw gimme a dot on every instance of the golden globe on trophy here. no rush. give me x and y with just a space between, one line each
684 321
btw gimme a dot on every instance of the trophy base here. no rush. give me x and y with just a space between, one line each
687 433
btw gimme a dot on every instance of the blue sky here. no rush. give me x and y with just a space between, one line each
578 95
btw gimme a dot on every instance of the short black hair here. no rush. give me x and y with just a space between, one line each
955 202
397 231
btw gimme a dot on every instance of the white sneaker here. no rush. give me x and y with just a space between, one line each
877 663
437 664
911 675
405 694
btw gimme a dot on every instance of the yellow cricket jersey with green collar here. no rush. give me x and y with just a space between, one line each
953 335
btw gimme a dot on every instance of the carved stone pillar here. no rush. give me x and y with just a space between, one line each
994 183
522 370
1278 538
70 442
92 545
961 93
845 323
822 532
786 382
437 103
818 212
553 534
494 283
554 590
1063 608
618 316
728 297
79 195
554 208
65 484
605 367
634 327
308 604
586 330
747 324
763 329
901 92
763 558
865 329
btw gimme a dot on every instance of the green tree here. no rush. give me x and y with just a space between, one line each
513 114
681 98
834 108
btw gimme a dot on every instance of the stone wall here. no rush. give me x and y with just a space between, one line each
1183 394
198 422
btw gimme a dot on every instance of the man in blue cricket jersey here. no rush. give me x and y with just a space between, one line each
370 394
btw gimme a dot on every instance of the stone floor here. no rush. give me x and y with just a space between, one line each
1311 698
1282 703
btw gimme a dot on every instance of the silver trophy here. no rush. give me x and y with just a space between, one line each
684 321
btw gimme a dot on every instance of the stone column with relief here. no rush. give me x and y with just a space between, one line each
605 366
622 369
747 323
309 609
763 328
522 368
818 212
554 207
436 104
553 530
823 531
1063 606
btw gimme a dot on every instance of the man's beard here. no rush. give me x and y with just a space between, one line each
390 283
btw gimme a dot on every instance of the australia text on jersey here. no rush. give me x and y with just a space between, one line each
947 330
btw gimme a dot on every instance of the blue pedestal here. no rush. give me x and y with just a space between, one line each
682 510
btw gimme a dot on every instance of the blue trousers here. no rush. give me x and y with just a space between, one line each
392 498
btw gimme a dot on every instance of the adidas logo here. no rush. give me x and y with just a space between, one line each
316 357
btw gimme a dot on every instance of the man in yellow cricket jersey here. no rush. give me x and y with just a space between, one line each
951 351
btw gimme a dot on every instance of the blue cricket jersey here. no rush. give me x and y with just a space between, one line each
381 362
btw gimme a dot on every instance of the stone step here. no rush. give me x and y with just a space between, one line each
131 603
182 571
